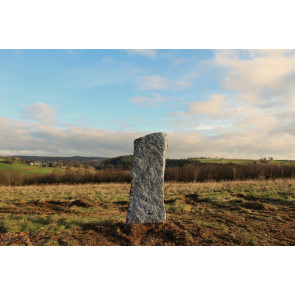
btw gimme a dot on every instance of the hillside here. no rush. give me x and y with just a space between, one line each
26 169
23 168
125 162
74 158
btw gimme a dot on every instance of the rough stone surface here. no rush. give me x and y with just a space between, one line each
146 203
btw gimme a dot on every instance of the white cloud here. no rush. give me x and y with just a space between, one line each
257 72
211 112
40 112
27 138
152 101
253 115
145 52
256 116
212 106
20 137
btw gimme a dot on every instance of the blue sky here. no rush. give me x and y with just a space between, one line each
99 87
225 103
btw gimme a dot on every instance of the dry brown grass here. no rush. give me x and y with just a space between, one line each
224 213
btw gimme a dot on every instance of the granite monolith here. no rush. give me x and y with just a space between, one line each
146 203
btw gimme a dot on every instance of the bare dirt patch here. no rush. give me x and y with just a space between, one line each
46 207
107 234
15 239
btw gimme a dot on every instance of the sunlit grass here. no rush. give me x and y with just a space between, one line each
25 169
224 213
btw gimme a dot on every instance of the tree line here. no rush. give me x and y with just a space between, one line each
194 172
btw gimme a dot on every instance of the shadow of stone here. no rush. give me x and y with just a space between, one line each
267 200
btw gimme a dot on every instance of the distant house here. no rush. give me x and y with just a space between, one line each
35 164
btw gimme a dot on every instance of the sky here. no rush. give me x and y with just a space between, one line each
213 103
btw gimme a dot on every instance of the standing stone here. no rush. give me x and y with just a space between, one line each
146 204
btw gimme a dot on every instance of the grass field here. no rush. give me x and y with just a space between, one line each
23 168
244 161
228 213
227 161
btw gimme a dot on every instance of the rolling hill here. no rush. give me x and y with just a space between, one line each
23 168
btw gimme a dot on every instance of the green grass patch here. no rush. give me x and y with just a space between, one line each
26 169
227 161
283 162
244 161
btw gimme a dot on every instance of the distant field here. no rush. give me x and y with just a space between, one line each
283 162
224 213
226 161
244 161
23 168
